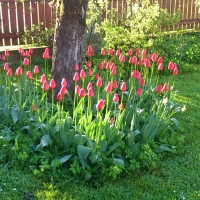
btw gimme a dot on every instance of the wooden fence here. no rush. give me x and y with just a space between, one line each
16 16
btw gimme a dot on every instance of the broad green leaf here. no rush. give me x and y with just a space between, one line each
87 175
93 158
65 158
80 139
161 148
113 147
15 115
175 121
67 139
45 141
118 161
83 153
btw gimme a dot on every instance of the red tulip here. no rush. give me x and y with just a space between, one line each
77 89
97 76
6 67
100 66
175 71
123 86
122 58
144 52
3 57
46 55
27 54
114 71
160 60
103 52
115 98
18 71
30 50
36 69
137 52
76 76
82 74
29 75
6 53
43 78
89 85
23 53
112 66
99 82
112 120
82 93
130 52
171 66
139 91
154 57
136 74
117 53
133 60
159 88
20 50
45 86
9 72
142 82
110 51
100 104
26 62
89 49
34 108
64 82
108 66
76 68
90 92
121 106
63 90
109 88
160 66
105 62
59 96
165 87
89 72
52 84
147 63
115 85
88 64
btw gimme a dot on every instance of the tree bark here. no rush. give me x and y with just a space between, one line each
68 42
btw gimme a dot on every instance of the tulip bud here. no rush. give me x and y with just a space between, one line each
82 93
123 86
26 62
139 91
59 96
18 71
100 104
82 74
52 84
29 75
64 82
76 76
159 88
63 90
36 69
115 98
99 82
45 86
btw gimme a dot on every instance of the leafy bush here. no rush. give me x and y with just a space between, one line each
123 122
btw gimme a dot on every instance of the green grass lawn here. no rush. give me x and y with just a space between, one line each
177 176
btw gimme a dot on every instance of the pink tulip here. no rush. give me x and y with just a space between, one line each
18 71
29 75
76 76
36 69
139 91
116 98
136 74
100 104
52 84
59 96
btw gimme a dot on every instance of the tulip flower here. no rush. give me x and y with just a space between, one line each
90 92
97 76
59 96
76 76
175 71
123 86
30 50
100 104
160 60
136 74
115 85
165 87
122 58
137 52
142 82
77 89
133 60
154 57
26 62
6 53
108 66
18 71
103 52
64 82
147 63
114 71
82 74
159 88
171 66
27 54
52 84
110 51
34 108
20 50
63 90
121 106
116 98
99 82
45 86
89 49
88 64
9 72
100 66
46 55
6 67
36 69
29 75
89 85
160 66
112 120
139 91
118 53
3 57
82 93
144 52
43 78
89 72
109 88
130 52
76 68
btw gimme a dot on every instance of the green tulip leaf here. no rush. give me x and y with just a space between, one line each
83 153
45 141
15 115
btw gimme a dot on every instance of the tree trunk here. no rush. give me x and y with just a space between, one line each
68 42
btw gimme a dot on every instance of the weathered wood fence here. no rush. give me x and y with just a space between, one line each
16 16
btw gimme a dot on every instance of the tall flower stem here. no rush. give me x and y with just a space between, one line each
52 101
19 90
